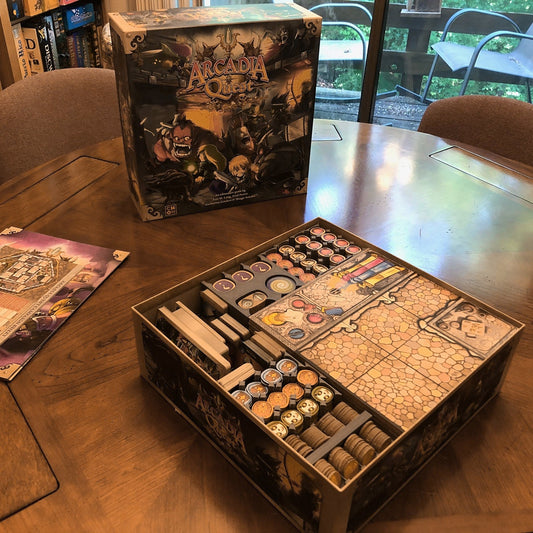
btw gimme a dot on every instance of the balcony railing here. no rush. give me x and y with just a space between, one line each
414 62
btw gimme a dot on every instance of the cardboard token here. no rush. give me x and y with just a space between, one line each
307 377
286 249
329 424
278 399
325 468
322 394
344 412
278 428
242 276
242 397
314 437
256 389
308 407
299 445
223 285
274 257
262 409
292 417
287 366
260 267
281 284
271 377
293 390
316 231
343 462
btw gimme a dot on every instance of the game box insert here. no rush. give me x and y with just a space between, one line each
326 370
216 104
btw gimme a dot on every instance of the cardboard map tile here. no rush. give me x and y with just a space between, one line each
43 280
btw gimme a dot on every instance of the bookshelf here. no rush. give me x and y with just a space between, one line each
10 70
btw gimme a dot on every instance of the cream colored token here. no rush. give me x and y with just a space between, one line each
279 428
292 417
308 407
322 394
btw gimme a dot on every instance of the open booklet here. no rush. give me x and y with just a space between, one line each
43 280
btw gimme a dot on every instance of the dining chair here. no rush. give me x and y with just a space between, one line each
351 51
54 113
517 63
501 125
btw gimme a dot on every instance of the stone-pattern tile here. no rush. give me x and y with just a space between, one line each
446 363
422 297
344 354
398 391
387 325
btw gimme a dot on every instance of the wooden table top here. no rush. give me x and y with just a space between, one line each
125 461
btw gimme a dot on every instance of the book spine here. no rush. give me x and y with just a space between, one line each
95 38
78 49
61 40
34 52
86 46
73 59
15 8
44 43
52 39
22 53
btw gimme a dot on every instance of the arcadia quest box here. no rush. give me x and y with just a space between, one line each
326 370
216 104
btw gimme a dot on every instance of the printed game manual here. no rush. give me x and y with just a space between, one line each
43 280
216 104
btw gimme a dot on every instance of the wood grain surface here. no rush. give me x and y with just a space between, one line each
126 462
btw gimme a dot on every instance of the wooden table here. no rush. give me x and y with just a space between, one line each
124 461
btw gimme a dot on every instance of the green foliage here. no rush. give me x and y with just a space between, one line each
396 39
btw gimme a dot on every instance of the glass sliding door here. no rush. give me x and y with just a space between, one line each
402 71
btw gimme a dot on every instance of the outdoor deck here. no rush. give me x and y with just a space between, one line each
398 111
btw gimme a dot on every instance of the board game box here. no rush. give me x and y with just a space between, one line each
326 370
216 104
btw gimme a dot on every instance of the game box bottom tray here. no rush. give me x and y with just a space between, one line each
326 370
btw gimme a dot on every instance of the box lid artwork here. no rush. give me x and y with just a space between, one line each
216 104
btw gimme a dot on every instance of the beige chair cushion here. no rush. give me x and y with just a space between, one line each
53 113
501 125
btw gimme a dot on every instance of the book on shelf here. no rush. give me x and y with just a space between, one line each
95 44
42 41
33 49
33 7
61 40
22 53
50 4
15 8
79 16
49 22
